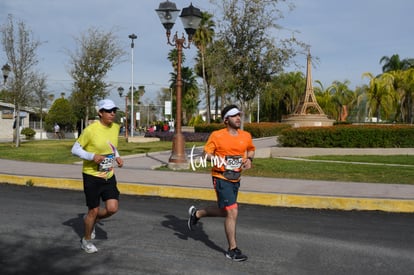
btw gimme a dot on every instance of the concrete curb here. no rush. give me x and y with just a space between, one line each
256 198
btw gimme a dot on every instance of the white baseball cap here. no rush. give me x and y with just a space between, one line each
106 104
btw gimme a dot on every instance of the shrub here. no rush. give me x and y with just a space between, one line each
257 130
196 120
349 136
189 137
28 132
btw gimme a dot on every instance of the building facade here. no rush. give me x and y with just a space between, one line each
7 118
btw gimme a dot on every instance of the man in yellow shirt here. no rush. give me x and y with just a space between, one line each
230 151
97 147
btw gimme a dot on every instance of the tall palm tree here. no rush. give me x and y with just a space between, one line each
202 39
173 58
221 76
381 95
394 63
281 96
358 104
404 87
324 97
190 92
341 96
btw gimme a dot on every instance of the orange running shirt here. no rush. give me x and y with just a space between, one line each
221 144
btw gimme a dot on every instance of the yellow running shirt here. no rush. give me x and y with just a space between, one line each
102 140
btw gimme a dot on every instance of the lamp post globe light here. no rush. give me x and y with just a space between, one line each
132 37
6 71
121 91
190 18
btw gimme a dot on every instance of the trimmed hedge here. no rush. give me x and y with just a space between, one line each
349 136
257 130
189 137
202 131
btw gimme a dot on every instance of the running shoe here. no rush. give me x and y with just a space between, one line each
93 234
192 219
88 246
236 255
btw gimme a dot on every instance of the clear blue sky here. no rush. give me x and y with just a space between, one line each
348 37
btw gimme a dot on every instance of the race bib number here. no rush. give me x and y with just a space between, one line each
233 162
107 164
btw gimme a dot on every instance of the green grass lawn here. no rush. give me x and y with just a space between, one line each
333 168
334 171
59 151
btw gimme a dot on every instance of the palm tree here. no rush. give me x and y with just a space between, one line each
324 97
221 77
173 58
281 96
408 80
381 95
341 96
394 63
202 39
404 87
190 92
358 104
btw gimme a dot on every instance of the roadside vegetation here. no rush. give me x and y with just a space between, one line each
397 169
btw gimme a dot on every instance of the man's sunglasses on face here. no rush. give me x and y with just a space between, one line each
110 111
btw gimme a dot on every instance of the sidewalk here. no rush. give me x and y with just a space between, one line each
138 178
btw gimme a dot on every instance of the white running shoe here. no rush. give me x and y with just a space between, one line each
93 234
88 246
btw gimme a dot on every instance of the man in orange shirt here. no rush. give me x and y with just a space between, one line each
230 151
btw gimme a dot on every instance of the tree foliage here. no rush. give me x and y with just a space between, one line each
253 55
202 39
381 95
281 96
189 90
62 113
394 63
98 51
20 48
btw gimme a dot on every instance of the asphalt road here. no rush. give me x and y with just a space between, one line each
40 231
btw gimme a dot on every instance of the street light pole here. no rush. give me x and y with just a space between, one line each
190 18
121 91
132 37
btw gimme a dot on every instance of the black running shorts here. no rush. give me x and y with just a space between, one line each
226 192
96 188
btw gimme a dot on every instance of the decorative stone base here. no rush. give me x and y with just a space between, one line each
308 121
178 165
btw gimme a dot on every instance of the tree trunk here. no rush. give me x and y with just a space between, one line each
206 90
87 117
17 129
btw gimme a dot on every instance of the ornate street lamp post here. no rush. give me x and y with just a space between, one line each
121 91
190 18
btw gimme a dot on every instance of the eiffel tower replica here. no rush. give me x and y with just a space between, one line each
308 113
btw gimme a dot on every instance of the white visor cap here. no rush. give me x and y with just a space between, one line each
232 112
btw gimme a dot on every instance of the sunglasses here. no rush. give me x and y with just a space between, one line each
110 111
